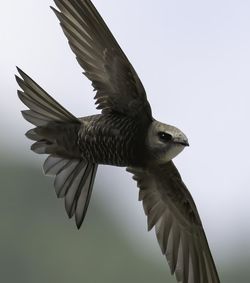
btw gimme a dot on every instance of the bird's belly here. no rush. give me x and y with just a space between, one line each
109 139
105 151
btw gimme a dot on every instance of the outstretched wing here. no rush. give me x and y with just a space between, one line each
171 209
118 87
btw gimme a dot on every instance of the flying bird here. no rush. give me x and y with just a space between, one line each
124 134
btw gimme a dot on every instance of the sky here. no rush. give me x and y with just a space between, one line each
193 58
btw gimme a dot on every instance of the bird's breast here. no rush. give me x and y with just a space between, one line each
112 139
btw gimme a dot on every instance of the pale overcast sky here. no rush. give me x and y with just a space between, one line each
193 58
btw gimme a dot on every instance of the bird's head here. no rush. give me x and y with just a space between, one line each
165 142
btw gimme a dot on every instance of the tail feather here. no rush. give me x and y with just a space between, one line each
74 181
82 202
55 130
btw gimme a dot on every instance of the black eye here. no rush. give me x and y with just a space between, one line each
164 136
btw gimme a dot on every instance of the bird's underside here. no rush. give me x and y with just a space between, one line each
124 134
108 139
112 139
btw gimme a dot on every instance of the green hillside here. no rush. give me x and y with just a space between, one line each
39 244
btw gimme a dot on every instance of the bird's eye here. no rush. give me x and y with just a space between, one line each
164 136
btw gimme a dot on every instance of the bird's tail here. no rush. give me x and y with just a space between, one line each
56 134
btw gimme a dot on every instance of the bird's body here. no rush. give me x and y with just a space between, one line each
124 134
112 139
109 139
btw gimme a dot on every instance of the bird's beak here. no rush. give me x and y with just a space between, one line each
182 142
185 143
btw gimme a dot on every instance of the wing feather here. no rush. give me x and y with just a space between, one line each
171 209
118 87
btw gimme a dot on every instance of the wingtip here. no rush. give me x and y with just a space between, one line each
20 71
17 78
57 6
150 227
20 95
54 9
57 13
22 74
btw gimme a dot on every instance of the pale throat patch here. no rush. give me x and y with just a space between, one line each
171 153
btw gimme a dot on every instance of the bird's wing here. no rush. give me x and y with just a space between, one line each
118 87
171 209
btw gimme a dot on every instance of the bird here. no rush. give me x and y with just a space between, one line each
123 134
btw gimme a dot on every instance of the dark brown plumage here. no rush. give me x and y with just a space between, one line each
125 134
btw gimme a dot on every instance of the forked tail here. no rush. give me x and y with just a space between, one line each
74 176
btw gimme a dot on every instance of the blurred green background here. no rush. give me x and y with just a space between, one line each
39 244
